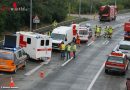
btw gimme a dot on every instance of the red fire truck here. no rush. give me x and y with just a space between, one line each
117 61
107 13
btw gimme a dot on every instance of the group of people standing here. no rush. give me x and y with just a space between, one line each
107 32
68 51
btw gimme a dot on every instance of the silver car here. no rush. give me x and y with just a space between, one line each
124 47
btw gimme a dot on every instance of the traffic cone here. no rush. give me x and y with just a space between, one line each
12 84
42 75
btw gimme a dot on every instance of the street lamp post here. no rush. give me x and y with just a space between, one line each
115 2
30 15
79 8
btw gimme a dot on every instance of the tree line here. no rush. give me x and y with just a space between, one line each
47 10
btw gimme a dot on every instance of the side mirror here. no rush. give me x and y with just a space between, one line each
65 39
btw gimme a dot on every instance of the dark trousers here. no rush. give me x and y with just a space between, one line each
74 53
62 53
68 55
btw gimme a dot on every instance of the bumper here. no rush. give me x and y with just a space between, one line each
7 69
115 70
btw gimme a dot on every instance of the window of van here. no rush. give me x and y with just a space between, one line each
47 42
56 36
29 40
42 42
83 32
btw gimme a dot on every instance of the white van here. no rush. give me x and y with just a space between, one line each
83 33
61 34
37 46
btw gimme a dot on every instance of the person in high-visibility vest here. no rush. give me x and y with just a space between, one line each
110 32
68 49
74 49
106 32
62 48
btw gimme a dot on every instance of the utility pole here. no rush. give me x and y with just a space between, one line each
80 7
91 6
30 15
115 2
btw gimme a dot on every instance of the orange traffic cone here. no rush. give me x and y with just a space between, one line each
12 84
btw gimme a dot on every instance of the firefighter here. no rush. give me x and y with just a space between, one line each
106 32
78 41
98 31
74 49
68 49
62 48
110 31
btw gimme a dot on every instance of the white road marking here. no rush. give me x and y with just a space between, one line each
90 43
33 70
104 42
66 62
96 76
107 42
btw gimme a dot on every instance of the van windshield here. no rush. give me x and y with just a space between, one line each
115 59
83 32
124 47
56 36
6 56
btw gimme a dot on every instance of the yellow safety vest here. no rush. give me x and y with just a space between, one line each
62 46
74 47
110 30
68 48
98 30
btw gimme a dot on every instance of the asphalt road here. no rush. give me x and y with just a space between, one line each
78 74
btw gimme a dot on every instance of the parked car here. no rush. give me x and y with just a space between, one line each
124 47
117 62
11 59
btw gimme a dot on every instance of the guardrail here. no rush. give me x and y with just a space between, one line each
124 11
65 23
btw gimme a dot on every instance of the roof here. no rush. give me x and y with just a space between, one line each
62 29
117 54
32 34
124 42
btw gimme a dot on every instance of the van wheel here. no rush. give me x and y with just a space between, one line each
24 64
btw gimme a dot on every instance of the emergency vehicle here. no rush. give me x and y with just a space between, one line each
117 61
107 12
37 46
11 57
83 33
127 31
61 34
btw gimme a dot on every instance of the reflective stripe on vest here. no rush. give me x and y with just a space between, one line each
68 48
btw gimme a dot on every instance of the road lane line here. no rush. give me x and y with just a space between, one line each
66 62
96 76
90 43
33 70
104 42
107 42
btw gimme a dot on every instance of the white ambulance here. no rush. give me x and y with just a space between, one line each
61 34
37 46
83 33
